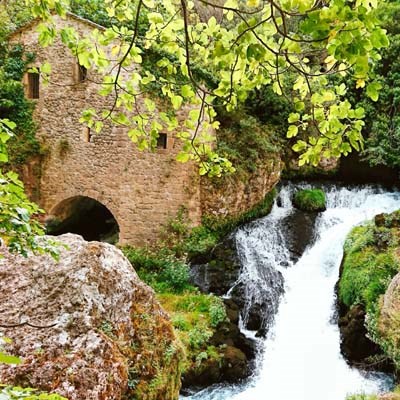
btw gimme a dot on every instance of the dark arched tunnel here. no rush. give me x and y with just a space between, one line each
86 217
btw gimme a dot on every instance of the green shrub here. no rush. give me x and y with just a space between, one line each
179 321
310 200
14 393
367 267
160 269
370 263
200 240
198 337
362 396
180 240
223 226
217 312
195 317
14 105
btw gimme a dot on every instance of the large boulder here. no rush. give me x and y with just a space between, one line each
389 320
86 327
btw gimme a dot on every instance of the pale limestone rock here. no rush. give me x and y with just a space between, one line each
105 334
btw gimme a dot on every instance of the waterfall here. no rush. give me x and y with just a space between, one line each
300 357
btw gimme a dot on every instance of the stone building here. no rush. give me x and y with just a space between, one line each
101 178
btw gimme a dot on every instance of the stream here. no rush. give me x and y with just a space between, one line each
300 357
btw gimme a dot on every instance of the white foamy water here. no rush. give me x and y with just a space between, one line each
300 358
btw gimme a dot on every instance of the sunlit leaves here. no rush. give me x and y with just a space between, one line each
292 131
373 90
18 228
10 392
257 43
8 359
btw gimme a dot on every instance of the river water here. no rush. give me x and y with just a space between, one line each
300 358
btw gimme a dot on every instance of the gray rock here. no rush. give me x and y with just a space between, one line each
85 327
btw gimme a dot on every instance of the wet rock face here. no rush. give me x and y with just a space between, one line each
298 229
355 344
258 305
102 334
218 271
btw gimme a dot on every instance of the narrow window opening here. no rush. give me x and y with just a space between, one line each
33 85
162 141
88 135
82 73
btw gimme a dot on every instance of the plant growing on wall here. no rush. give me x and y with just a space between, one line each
255 43
18 227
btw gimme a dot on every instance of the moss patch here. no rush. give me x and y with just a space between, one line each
195 317
186 242
371 261
362 397
310 200
10 392
214 229
369 265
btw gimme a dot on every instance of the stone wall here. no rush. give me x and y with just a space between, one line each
233 195
141 189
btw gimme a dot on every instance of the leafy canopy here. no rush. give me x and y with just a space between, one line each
382 129
254 43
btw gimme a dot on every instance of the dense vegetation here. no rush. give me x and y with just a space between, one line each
370 263
195 316
17 140
246 138
15 106
14 393
382 130
165 267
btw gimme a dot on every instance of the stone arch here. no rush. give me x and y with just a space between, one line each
85 216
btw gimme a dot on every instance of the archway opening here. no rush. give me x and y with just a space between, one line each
86 217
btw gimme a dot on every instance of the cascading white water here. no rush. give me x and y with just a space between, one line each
300 358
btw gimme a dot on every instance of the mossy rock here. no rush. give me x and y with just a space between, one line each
370 278
310 200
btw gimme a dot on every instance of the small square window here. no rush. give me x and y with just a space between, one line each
33 85
162 141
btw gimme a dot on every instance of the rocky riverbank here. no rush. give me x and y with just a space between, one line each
369 295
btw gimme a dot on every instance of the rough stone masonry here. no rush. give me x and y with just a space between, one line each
141 189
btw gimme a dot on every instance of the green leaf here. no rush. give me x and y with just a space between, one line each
187 91
292 131
7 359
183 157
151 106
46 68
373 90
293 117
176 101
